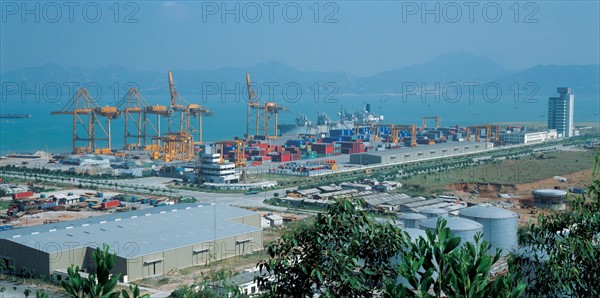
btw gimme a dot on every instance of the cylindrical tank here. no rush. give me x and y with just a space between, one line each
81 199
414 234
42 196
144 200
91 204
461 227
554 199
434 212
134 199
411 220
499 226
69 194
99 194
151 201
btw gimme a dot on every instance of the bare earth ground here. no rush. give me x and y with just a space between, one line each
523 191
40 218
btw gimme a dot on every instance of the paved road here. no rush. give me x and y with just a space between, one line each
140 184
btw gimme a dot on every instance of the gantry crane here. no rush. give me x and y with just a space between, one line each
132 105
159 111
173 146
262 113
395 129
109 113
195 110
438 121
489 129
178 143
183 112
85 113
239 158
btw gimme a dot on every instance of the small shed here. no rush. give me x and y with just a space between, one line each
275 220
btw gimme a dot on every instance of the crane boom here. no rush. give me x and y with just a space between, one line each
172 89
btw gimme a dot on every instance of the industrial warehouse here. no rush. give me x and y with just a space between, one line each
147 242
419 153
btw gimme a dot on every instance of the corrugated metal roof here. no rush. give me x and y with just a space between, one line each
434 211
454 223
137 233
487 212
407 150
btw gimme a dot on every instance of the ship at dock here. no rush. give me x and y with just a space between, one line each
14 116
346 120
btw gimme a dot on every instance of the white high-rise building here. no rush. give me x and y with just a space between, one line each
560 112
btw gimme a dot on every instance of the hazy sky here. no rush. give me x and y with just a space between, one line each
357 37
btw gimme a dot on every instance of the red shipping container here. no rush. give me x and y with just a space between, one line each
256 163
21 195
110 204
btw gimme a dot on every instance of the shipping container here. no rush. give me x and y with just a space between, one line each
110 204
331 139
21 195
340 132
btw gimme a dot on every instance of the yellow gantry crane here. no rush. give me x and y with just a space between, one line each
178 143
239 159
262 114
132 106
438 121
86 113
395 129
489 130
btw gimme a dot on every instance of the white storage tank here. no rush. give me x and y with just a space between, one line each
434 212
553 199
414 234
411 220
461 227
499 226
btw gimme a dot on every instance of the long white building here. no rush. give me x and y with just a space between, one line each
525 137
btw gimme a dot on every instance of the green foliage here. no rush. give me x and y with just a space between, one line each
41 294
27 292
99 284
438 266
216 284
562 255
344 253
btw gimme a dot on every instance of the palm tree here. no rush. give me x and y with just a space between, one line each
27 292
2 289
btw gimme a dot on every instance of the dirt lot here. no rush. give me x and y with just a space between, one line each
40 218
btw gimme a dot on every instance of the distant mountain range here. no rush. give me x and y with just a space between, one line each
457 67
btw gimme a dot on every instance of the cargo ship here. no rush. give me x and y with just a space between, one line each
14 116
347 120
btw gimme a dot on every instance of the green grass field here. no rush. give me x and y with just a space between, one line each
524 170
